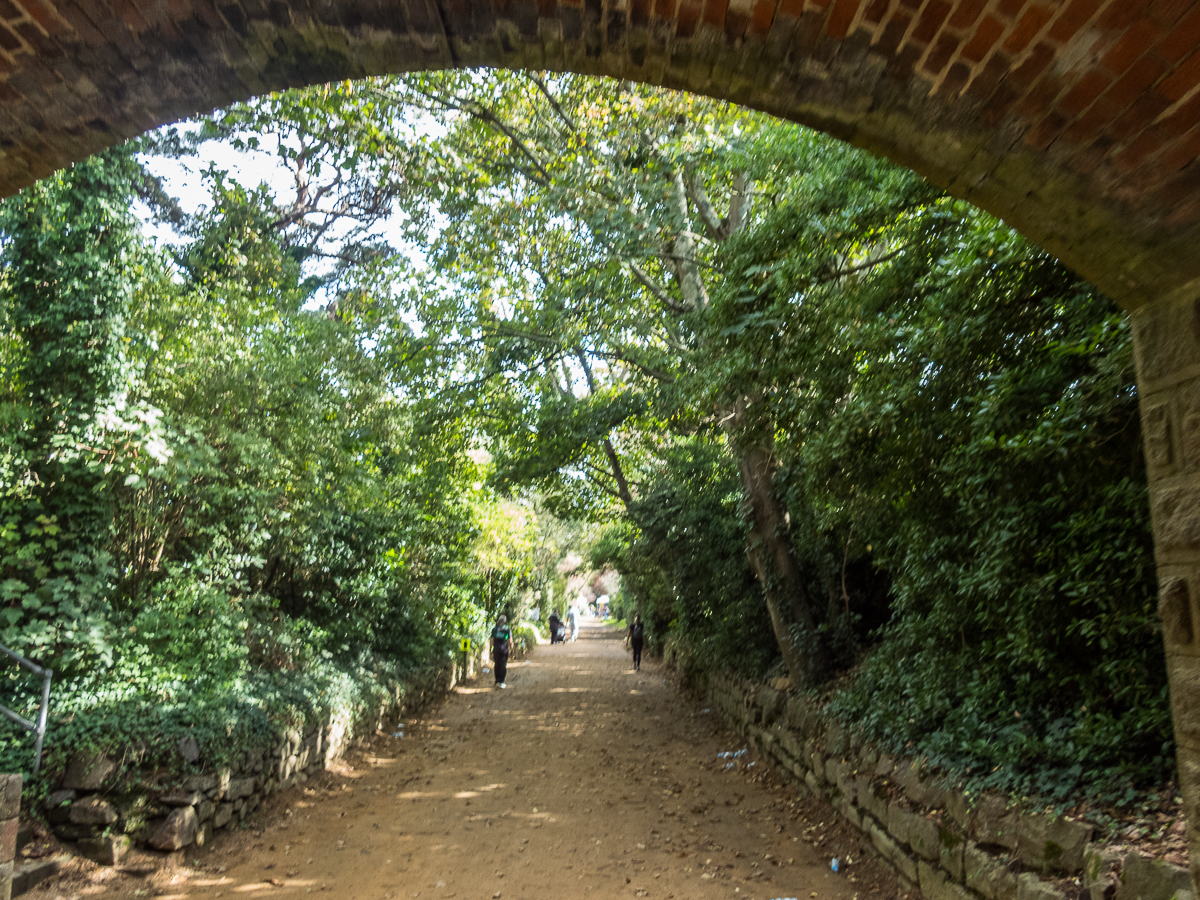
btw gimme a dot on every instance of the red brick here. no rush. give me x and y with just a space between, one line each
639 10
7 94
1179 83
1145 110
43 46
1184 117
942 51
1120 14
735 24
1086 161
1001 101
983 84
931 20
1087 127
714 13
762 18
876 10
1087 89
901 66
984 39
838 24
792 8
1034 19
1140 76
43 14
1010 8
8 40
1077 14
1024 75
1182 39
956 79
1180 152
808 32
8 11
1168 12
893 33
1145 145
689 16
1037 103
1131 46
966 13
818 4
664 10
1043 134
911 4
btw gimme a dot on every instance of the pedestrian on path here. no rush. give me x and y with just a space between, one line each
573 624
637 634
501 641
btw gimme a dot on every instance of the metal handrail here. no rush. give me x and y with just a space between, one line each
38 728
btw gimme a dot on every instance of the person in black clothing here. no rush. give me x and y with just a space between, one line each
637 636
555 624
501 641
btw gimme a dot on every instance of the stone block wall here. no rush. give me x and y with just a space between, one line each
10 809
935 837
105 814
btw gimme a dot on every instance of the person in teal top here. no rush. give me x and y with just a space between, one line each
501 641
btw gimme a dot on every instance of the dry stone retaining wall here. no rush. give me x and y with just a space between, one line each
951 846
105 813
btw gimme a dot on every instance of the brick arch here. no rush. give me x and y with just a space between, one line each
1074 120
1077 121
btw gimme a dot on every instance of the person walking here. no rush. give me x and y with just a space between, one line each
501 641
637 636
573 624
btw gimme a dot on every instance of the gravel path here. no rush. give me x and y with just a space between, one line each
584 779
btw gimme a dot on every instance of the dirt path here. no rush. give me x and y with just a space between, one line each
582 779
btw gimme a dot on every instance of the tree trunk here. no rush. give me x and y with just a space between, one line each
769 549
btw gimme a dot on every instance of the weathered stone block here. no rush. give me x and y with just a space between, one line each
188 749
1100 867
1143 878
176 831
202 783
107 849
1158 437
92 810
898 822
771 702
872 797
10 796
985 874
239 787
1054 844
1175 509
1175 610
958 808
1184 673
181 798
891 851
885 767
58 806
205 810
88 771
69 831
8 839
935 886
914 785
222 815
994 823
1030 887
923 837
950 852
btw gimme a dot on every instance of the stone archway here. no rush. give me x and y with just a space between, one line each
1077 121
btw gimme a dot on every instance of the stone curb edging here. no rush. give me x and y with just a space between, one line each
935 838
105 819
